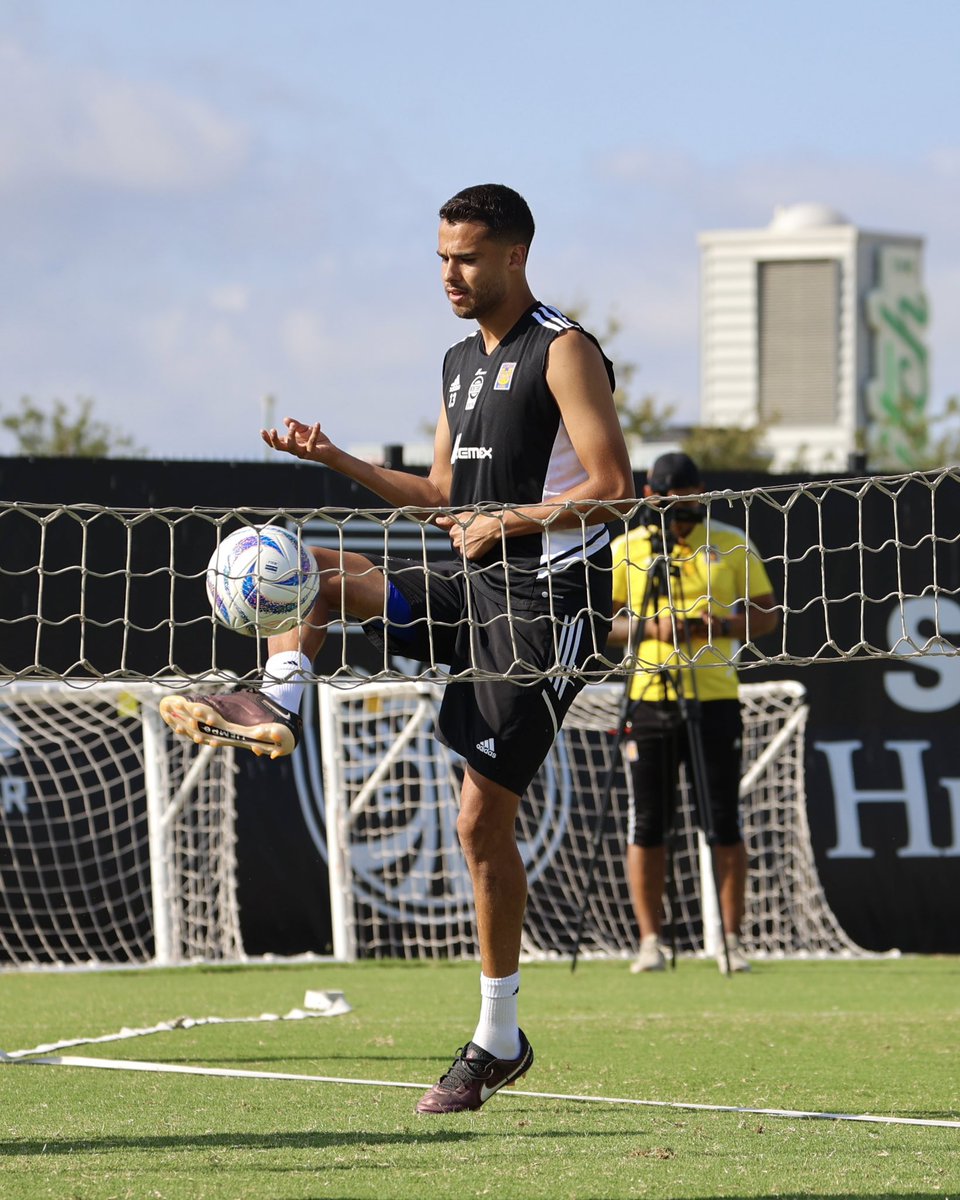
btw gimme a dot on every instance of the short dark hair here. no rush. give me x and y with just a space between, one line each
504 212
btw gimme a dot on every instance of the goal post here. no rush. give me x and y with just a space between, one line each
117 839
399 887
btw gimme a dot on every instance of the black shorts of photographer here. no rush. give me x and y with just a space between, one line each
658 744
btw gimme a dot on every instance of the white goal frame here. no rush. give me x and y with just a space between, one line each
117 839
398 886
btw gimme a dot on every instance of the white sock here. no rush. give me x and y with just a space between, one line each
497 1031
284 678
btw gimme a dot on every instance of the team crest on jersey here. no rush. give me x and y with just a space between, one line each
505 377
452 393
475 387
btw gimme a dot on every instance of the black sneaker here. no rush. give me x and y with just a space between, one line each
474 1077
242 718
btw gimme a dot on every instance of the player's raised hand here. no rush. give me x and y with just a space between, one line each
302 441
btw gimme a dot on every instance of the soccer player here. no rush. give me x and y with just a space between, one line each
526 418
712 591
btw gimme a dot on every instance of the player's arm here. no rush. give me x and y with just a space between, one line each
400 488
577 378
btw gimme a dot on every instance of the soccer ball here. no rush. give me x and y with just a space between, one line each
261 581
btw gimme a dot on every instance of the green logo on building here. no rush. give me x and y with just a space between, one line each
897 393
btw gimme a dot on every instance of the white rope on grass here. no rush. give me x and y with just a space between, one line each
318 1004
236 1073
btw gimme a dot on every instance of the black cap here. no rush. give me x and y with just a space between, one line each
675 470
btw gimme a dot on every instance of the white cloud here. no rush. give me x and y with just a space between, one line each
306 339
62 125
230 298
946 161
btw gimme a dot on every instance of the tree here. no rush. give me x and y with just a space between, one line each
643 420
61 433
722 448
648 420
942 437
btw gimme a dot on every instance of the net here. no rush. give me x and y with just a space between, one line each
399 885
117 840
90 592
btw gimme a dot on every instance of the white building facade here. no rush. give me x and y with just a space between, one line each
816 329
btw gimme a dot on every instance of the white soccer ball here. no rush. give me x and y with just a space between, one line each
262 580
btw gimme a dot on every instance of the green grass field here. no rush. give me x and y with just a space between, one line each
876 1037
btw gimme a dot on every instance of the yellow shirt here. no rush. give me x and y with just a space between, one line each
712 578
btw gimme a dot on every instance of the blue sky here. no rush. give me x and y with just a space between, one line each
206 202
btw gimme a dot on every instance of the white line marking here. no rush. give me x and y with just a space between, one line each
111 1064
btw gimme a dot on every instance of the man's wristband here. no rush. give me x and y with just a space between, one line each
724 627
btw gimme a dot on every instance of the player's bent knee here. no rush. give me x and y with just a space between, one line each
325 558
352 586
482 829
486 822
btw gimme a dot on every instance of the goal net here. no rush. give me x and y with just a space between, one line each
117 839
400 888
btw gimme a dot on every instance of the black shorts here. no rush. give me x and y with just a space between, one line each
658 743
503 729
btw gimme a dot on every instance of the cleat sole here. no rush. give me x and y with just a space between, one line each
187 719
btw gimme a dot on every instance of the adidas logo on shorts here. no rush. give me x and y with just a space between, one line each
487 747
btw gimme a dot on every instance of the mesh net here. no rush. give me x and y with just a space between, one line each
99 593
117 841
392 798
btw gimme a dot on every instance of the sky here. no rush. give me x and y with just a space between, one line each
208 202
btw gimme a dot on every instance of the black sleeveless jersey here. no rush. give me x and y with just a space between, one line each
509 444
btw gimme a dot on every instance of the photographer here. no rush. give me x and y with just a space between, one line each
678 598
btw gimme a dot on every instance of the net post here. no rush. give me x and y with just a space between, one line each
709 909
338 835
156 788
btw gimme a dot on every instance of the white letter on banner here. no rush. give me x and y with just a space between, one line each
847 799
952 787
903 688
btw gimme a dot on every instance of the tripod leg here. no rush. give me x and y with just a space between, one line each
671 898
671 795
701 790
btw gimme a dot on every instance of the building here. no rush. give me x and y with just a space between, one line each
816 329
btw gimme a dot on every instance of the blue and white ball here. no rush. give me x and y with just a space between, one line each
262 580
